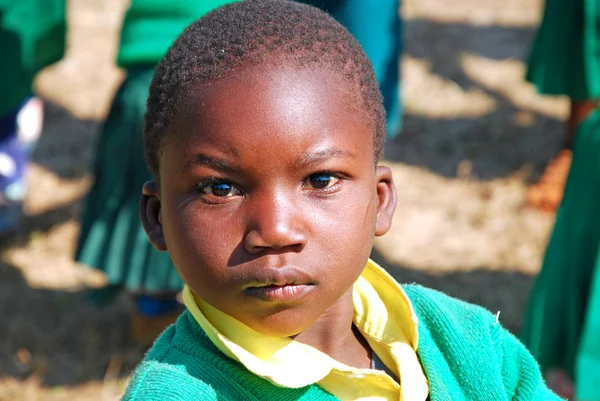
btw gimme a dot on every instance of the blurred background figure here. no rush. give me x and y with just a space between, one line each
112 239
378 27
32 36
562 324
564 60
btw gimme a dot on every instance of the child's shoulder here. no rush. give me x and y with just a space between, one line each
465 350
156 380
184 364
442 320
181 365
167 371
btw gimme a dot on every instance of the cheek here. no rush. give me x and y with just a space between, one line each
197 238
359 213
347 226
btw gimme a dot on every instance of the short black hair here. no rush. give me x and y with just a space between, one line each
250 32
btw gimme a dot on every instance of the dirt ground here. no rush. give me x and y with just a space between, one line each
474 135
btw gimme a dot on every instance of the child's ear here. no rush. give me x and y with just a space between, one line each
150 214
386 194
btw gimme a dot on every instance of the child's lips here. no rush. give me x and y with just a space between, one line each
280 293
280 284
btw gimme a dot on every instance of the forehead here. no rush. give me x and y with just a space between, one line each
294 109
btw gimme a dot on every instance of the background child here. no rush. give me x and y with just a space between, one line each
562 320
32 36
378 28
565 60
264 128
112 239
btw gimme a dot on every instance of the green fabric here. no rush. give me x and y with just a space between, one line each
565 58
32 36
151 26
381 41
587 366
465 352
112 238
563 315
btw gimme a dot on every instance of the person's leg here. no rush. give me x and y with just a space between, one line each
548 192
154 313
559 382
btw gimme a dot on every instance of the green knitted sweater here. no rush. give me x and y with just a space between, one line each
465 353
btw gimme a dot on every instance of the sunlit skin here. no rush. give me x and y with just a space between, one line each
269 200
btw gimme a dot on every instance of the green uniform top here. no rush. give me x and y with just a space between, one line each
151 26
465 352
32 36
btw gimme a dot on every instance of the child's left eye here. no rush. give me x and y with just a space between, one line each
322 180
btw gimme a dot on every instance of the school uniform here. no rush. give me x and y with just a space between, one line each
377 26
562 320
112 238
435 347
563 316
32 36
565 56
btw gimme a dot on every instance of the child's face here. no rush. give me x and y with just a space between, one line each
269 198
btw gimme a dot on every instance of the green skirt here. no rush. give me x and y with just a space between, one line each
563 317
565 57
112 238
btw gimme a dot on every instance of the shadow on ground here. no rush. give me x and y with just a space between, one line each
59 335
499 291
496 144
67 144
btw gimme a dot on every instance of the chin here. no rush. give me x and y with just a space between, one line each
280 325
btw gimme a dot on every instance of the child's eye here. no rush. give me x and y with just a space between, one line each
218 188
322 180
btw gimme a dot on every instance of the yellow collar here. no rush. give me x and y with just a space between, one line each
382 312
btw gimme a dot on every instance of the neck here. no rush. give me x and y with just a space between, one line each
333 335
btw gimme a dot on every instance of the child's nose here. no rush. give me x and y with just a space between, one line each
276 223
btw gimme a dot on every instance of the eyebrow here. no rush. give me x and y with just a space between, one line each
209 161
306 160
314 158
